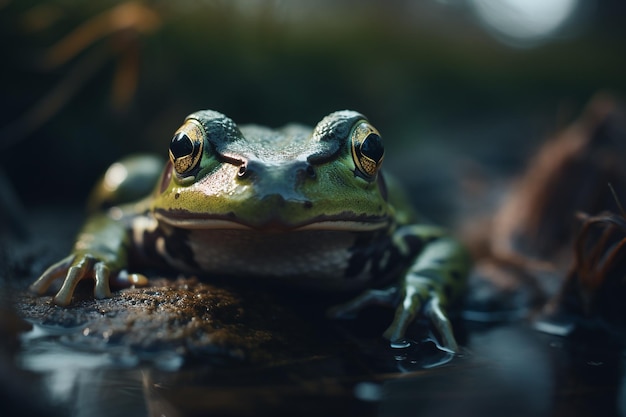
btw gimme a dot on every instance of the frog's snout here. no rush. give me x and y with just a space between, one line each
291 171
278 175
279 182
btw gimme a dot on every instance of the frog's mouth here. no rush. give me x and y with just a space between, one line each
341 222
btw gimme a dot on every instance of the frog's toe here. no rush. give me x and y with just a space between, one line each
102 273
442 325
406 315
370 297
126 280
75 273
46 279
396 331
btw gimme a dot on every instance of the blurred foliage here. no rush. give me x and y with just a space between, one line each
86 82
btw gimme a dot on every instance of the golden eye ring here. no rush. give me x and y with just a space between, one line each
186 147
367 149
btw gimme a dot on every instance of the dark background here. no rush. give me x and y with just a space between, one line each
433 76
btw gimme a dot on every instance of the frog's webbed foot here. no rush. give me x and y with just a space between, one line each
419 301
76 268
407 312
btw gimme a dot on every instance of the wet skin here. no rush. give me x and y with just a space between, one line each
295 207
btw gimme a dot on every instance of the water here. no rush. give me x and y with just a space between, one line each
508 370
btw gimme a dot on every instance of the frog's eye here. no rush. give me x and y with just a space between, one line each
367 149
186 147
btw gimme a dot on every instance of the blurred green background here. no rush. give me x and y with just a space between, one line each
86 82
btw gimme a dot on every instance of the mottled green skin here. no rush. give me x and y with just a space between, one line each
314 196
276 189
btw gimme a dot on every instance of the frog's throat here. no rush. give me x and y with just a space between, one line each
328 223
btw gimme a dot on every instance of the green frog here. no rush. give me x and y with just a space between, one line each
295 207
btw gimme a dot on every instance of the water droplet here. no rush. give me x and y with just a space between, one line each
400 344
368 391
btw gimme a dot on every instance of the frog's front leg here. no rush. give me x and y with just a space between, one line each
435 279
100 252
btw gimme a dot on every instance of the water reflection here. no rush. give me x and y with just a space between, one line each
504 370
515 371
368 391
426 354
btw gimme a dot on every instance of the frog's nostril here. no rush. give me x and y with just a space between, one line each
251 170
310 171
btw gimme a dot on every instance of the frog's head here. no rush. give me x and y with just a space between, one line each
294 178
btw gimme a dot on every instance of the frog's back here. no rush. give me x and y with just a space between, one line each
128 180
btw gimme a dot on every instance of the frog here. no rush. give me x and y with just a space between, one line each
298 208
